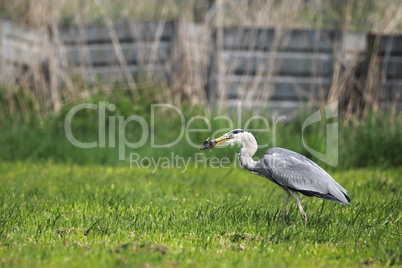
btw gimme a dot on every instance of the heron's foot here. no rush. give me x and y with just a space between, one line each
304 217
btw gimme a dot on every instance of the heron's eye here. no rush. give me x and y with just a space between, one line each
231 136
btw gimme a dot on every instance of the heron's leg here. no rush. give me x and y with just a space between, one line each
285 202
294 194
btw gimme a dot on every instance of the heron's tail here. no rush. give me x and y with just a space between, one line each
347 198
340 197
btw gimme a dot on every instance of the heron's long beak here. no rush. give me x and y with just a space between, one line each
221 139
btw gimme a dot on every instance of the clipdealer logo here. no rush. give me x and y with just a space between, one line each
107 126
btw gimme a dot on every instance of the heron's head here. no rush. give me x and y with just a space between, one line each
237 136
231 138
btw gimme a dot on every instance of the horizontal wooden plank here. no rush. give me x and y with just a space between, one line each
287 63
22 52
10 30
261 103
265 39
290 89
275 87
388 44
125 32
157 73
104 54
288 109
391 66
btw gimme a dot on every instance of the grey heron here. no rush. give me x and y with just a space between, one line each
293 172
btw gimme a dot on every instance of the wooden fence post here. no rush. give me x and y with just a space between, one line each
53 62
216 91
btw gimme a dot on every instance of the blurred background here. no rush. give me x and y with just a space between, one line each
271 58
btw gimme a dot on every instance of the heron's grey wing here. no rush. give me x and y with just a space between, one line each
292 170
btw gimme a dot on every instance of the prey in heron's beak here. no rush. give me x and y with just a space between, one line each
209 144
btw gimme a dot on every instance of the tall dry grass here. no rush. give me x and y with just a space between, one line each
52 87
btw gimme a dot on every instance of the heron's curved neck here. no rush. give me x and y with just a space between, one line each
246 153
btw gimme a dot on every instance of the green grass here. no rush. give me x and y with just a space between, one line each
56 214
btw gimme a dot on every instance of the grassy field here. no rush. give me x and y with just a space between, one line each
65 214
61 205
66 206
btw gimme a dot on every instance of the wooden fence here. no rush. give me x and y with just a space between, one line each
290 67
22 51
385 53
112 52
225 65
263 64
